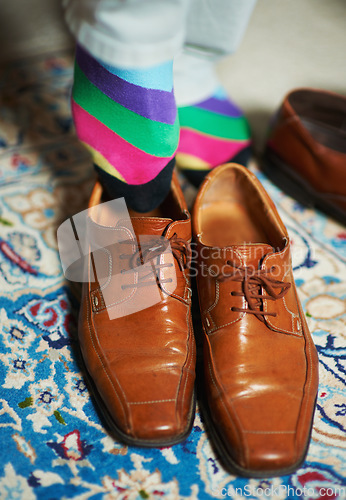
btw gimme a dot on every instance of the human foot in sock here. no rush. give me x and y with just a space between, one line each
128 120
212 132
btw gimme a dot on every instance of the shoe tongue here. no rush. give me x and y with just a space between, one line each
252 255
148 225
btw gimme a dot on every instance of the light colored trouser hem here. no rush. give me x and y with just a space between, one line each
194 78
128 33
144 33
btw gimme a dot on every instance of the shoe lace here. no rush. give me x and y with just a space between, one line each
148 251
252 281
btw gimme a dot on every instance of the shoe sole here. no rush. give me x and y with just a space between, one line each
291 183
118 433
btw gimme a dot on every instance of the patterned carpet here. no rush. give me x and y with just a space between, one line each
54 445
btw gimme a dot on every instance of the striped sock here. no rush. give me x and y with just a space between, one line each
212 132
128 120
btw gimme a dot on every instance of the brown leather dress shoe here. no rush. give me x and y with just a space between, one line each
261 367
306 150
141 362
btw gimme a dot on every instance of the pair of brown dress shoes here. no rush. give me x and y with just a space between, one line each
260 363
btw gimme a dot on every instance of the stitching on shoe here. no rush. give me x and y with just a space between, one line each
208 329
99 289
189 326
192 352
229 416
218 286
110 268
265 306
150 402
308 341
293 315
217 296
269 432
151 219
103 366
211 331
110 264
187 355
187 283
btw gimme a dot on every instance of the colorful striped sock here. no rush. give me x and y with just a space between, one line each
128 120
212 132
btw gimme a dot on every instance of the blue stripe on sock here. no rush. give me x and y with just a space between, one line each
220 93
156 77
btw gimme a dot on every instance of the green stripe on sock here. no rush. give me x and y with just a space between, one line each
210 123
127 124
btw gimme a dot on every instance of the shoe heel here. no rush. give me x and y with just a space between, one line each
280 174
288 181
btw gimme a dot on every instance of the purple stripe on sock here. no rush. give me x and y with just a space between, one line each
157 105
222 107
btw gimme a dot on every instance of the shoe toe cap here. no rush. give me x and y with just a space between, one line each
261 432
153 411
158 421
270 452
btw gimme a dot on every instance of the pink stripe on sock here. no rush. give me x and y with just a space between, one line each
136 166
212 150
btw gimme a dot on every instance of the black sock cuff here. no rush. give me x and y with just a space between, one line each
141 197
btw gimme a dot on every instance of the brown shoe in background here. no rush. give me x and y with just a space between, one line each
261 366
306 150
141 360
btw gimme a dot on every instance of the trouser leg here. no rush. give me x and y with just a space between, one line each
128 33
214 29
